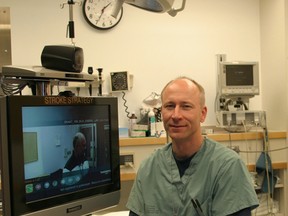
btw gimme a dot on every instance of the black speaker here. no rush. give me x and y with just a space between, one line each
63 58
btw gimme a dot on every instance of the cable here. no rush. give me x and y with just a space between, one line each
256 144
266 138
78 91
58 87
266 148
126 107
216 103
226 104
12 89
216 108
51 89
230 139
246 142
268 171
279 149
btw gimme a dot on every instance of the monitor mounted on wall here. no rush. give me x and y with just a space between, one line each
59 155
238 79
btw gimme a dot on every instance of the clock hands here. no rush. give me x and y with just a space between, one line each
102 11
105 7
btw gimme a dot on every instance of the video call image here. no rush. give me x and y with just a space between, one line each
66 149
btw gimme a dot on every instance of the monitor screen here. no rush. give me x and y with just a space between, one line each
63 152
239 75
238 79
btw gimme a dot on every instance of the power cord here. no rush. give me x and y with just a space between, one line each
125 102
12 89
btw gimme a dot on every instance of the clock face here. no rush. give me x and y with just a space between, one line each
98 13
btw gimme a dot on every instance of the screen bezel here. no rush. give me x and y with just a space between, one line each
239 90
16 157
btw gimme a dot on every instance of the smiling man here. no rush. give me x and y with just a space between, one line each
192 175
183 111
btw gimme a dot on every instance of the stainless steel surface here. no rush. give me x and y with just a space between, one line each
5 37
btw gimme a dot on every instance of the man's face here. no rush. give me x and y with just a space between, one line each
80 148
182 112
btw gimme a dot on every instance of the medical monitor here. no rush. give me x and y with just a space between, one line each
238 79
47 168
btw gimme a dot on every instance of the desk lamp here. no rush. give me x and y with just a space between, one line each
158 6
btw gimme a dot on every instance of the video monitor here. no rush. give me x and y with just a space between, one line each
63 154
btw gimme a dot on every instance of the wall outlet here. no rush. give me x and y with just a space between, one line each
127 159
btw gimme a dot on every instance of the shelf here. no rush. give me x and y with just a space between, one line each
276 166
276 186
142 141
225 136
251 167
246 136
128 176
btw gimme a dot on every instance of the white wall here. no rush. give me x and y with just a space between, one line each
153 47
286 69
273 62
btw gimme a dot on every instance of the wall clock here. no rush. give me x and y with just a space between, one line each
98 13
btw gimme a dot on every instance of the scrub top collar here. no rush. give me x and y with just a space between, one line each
174 172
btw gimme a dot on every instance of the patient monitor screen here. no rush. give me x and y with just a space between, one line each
239 75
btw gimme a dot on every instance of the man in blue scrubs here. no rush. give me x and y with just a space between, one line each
192 175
